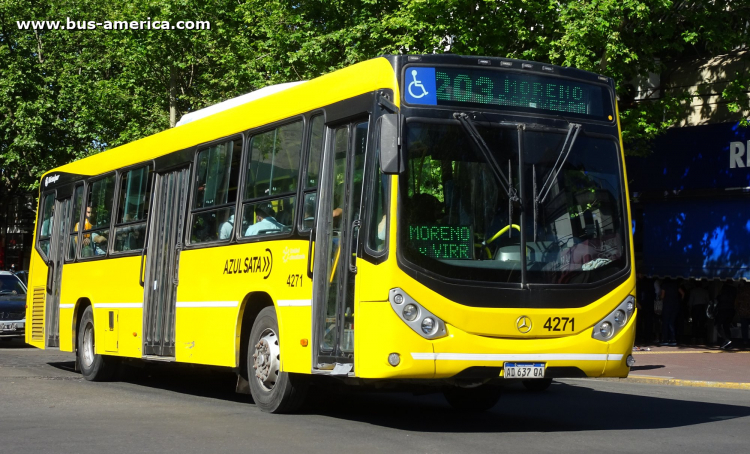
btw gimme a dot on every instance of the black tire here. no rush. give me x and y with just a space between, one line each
537 385
273 391
93 367
481 398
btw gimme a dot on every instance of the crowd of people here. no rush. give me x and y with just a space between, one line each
672 311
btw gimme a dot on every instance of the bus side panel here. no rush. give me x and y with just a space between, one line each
110 285
621 345
379 331
214 283
210 291
67 310
36 298
295 324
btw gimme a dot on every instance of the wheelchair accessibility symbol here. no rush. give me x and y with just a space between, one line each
420 86
416 84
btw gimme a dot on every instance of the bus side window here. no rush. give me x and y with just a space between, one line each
271 181
132 211
215 192
97 217
377 234
45 230
312 173
74 220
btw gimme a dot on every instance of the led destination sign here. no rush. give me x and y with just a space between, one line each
518 91
442 241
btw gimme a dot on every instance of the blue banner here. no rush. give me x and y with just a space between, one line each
698 157
419 86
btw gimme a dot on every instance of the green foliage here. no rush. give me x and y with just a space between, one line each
67 94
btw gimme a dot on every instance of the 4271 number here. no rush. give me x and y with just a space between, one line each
560 324
294 280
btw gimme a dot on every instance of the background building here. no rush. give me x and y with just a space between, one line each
17 215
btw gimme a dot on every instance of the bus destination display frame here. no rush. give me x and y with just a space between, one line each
505 89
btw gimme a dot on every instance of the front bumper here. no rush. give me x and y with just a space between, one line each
569 356
12 328
575 355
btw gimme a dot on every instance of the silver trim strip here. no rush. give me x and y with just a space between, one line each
289 303
515 357
116 305
67 306
204 304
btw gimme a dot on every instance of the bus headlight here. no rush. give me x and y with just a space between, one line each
610 325
410 312
428 325
620 317
419 319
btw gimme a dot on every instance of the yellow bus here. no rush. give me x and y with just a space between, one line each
439 220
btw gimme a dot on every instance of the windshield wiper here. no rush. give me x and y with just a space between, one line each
468 124
570 139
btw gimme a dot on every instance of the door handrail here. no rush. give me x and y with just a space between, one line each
143 254
310 252
50 275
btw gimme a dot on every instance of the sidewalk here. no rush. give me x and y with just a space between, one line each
692 366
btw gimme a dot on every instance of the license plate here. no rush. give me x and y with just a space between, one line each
523 370
8 326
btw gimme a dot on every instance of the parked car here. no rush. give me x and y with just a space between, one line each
12 306
24 276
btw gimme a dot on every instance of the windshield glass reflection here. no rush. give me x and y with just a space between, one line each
461 222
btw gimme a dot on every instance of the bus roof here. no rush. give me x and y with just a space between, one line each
301 97
234 102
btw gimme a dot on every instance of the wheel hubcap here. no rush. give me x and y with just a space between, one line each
88 346
266 359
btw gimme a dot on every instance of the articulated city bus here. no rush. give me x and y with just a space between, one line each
438 220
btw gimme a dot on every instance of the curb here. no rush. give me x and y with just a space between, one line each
680 382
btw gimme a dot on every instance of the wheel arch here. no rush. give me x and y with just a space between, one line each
78 309
251 305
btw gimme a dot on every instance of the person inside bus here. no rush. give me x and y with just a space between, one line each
265 222
285 216
47 224
225 231
94 243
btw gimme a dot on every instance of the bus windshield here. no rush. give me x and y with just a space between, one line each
461 221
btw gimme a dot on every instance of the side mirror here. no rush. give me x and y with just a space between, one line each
390 159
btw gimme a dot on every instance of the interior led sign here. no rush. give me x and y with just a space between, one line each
442 241
444 86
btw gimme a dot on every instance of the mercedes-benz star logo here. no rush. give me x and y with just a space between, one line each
523 324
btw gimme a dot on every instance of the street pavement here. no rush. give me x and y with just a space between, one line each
46 407
692 366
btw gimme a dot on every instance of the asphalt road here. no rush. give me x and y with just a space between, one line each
45 407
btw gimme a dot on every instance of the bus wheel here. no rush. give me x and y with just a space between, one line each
480 398
537 385
273 391
93 367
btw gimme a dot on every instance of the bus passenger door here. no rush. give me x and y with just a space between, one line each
337 229
60 229
162 258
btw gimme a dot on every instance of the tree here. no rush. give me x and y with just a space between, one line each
67 94
624 39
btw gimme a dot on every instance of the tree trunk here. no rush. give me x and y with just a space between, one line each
172 98
603 61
